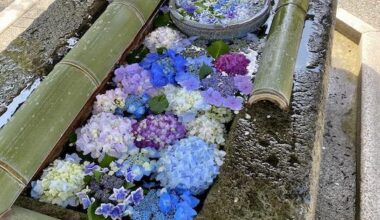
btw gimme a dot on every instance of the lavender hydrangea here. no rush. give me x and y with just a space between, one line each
232 64
243 84
189 164
109 101
105 133
158 131
134 80
222 83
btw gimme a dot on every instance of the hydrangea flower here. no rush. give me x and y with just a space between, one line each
105 133
223 115
166 37
208 129
101 189
232 64
164 67
134 105
157 131
109 101
134 80
60 182
218 11
223 84
148 208
243 84
252 55
185 104
190 164
139 163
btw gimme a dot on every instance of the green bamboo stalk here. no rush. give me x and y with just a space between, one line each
40 126
18 213
274 79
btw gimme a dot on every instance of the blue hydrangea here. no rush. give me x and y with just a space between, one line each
134 105
148 208
164 67
190 164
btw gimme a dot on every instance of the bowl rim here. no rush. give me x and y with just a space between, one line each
173 11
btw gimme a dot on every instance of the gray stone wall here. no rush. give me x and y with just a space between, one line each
272 165
34 53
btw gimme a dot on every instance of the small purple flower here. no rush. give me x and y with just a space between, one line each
234 103
165 9
89 168
223 84
85 200
212 97
243 84
117 212
104 209
129 176
135 197
119 194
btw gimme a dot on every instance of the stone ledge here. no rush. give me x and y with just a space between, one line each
272 165
34 53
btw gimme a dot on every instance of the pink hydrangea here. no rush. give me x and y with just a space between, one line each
232 64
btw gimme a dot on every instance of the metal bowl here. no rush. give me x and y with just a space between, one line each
218 31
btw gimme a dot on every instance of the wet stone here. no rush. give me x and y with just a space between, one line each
273 157
34 53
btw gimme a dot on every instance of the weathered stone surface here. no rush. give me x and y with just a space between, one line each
34 53
337 183
272 165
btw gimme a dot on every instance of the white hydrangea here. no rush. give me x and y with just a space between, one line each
253 66
164 37
223 115
109 101
208 129
60 182
185 104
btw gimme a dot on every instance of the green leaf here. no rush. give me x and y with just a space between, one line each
91 213
97 175
161 50
137 55
218 48
129 185
72 138
204 71
162 20
107 161
158 104
87 179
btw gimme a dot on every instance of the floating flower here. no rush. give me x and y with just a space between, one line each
185 104
208 129
60 182
243 84
189 164
85 199
105 133
134 80
222 83
135 105
157 131
164 67
232 64
109 101
102 189
166 37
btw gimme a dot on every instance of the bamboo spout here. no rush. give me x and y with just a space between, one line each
274 79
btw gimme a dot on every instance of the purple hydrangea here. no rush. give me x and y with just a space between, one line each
134 80
243 84
218 82
157 131
233 64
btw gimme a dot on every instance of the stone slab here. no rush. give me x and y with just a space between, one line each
272 165
18 213
34 53
370 127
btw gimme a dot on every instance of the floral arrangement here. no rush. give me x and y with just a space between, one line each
154 143
221 12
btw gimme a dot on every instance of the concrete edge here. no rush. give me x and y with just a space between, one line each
369 171
351 26
13 12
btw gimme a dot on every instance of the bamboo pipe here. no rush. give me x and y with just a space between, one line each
40 126
274 79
